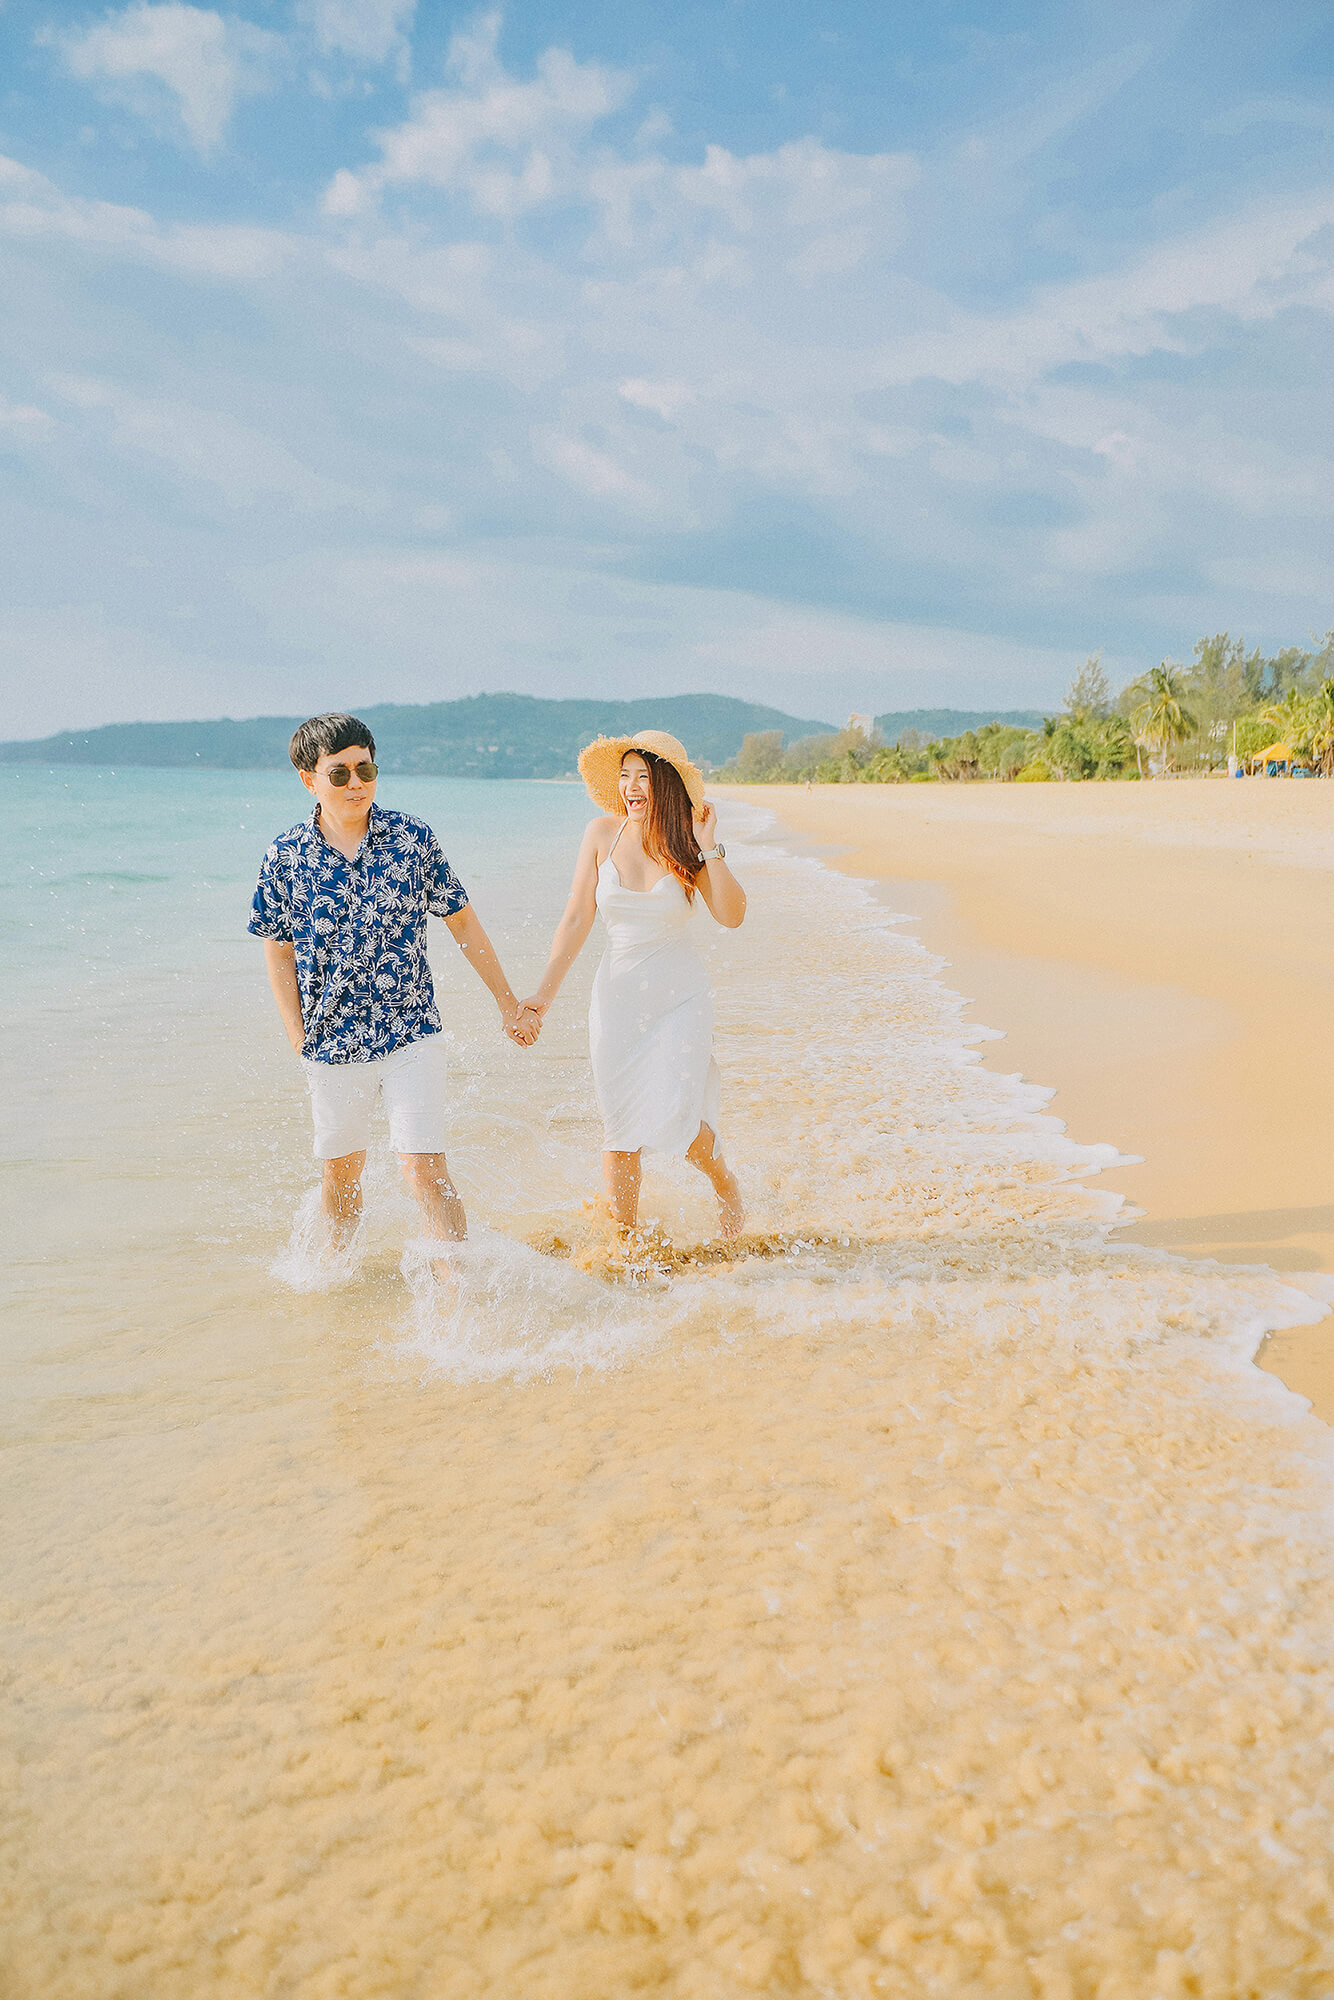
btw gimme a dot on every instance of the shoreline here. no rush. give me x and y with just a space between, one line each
1164 967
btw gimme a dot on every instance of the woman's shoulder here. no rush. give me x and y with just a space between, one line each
600 832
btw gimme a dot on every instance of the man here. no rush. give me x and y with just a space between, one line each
341 905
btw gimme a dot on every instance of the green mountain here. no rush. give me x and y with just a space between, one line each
484 736
934 723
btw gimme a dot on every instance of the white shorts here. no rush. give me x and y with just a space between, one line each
414 1084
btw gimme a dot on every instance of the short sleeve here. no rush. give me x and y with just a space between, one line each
445 894
271 910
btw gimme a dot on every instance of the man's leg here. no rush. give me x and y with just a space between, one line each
340 1197
415 1084
427 1174
341 1097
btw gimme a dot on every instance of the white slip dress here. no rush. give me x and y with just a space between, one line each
650 1025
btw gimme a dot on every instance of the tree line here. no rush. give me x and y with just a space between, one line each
1230 700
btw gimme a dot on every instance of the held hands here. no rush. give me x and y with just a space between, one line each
524 1024
532 1013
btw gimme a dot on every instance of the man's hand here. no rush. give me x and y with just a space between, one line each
527 1023
523 1025
280 963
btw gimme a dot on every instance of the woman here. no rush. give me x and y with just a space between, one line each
650 1025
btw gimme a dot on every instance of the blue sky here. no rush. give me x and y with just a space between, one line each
835 355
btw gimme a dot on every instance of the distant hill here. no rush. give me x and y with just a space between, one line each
484 736
933 723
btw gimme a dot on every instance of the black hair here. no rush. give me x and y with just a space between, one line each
322 735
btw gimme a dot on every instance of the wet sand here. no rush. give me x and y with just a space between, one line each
1163 955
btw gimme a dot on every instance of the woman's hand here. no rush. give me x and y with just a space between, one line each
722 893
521 1024
526 1025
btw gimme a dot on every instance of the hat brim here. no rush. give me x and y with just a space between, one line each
600 769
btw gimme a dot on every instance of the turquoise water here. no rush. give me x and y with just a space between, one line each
144 1043
118 878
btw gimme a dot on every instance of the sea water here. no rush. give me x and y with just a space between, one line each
924 1596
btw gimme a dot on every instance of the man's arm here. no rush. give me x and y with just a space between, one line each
280 964
466 929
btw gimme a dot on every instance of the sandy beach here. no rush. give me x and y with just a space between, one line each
920 1597
1163 955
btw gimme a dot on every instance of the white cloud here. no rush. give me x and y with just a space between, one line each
664 399
205 62
801 185
503 143
32 207
369 31
22 417
1249 266
749 373
592 471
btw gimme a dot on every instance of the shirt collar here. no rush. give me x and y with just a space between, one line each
374 828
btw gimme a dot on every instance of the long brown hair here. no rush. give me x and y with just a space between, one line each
669 836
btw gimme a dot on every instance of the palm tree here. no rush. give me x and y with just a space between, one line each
1321 725
1162 720
1291 722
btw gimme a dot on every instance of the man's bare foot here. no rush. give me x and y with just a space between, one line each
445 1272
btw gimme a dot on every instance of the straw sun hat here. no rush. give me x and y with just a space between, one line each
600 766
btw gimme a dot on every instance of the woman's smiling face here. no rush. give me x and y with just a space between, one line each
635 785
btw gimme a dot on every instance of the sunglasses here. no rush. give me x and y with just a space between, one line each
338 774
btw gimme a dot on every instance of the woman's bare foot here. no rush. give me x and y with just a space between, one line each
731 1208
704 1154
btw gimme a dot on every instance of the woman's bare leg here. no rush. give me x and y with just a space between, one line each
621 1173
704 1154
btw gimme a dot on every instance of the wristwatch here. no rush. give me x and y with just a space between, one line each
716 853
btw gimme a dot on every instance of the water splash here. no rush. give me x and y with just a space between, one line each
500 1308
312 1260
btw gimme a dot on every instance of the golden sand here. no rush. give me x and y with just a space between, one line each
1163 955
940 1607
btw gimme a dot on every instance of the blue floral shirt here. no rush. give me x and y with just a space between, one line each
359 928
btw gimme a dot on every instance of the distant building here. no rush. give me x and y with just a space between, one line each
866 724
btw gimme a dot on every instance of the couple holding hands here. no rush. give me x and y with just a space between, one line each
342 903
